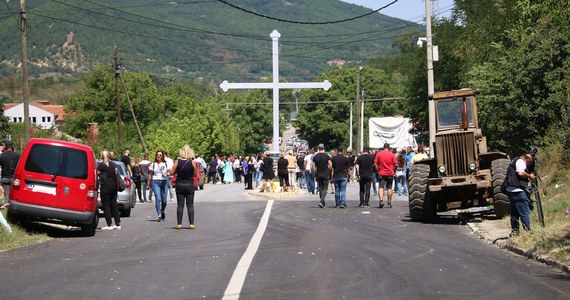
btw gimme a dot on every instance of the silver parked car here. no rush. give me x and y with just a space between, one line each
127 198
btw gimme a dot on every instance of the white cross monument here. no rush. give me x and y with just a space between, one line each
275 85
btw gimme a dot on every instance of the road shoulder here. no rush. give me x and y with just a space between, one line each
496 232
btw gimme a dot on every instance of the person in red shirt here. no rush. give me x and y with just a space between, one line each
386 164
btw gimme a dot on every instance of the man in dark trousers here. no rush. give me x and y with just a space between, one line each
321 167
8 161
386 162
516 183
340 171
364 165
126 159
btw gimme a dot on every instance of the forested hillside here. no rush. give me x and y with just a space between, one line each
208 40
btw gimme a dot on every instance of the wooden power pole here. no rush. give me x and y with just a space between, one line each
134 115
118 94
25 87
359 145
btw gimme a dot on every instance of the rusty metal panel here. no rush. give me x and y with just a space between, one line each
456 150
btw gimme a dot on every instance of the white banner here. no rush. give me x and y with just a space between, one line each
392 130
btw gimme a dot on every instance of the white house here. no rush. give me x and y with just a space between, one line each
41 114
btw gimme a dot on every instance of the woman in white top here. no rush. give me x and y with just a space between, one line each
158 181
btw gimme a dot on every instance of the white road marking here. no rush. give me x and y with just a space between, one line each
238 278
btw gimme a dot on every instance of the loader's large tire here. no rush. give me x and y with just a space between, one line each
501 201
422 208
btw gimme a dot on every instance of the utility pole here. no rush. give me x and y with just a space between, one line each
358 104
362 119
118 94
431 89
350 130
133 114
25 87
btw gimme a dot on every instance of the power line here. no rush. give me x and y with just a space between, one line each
139 35
143 5
12 13
177 25
313 102
302 22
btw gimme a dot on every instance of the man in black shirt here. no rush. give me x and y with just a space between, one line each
301 172
8 160
340 169
364 165
351 160
213 170
126 159
321 166
268 173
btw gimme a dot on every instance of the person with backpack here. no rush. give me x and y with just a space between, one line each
107 172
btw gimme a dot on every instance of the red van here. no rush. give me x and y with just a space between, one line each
56 182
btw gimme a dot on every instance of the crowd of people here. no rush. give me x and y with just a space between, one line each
316 170
376 169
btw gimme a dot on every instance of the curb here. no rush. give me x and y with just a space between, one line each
530 254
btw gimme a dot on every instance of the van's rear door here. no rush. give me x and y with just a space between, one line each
56 176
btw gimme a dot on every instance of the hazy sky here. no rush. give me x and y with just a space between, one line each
411 10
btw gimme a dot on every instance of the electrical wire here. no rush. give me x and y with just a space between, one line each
255 37
12 13
302 22
312 102
138 35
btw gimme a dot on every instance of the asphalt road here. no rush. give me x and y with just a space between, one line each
305 252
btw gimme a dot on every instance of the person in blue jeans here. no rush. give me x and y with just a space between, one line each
516 183
340 171
309 175
158 181
375 183
401 182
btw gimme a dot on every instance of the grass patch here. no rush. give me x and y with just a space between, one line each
19 237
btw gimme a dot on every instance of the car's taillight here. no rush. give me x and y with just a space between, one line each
16 182
91 193
127 183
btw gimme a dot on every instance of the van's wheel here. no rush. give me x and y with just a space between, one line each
422 208
89 229
501 201
125 212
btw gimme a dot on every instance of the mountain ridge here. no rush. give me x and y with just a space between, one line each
196 39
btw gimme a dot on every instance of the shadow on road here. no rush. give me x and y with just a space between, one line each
459 219
53 230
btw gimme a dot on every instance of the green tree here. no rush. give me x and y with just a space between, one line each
4 128
325 115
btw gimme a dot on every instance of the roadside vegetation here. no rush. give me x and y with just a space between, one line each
19 237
